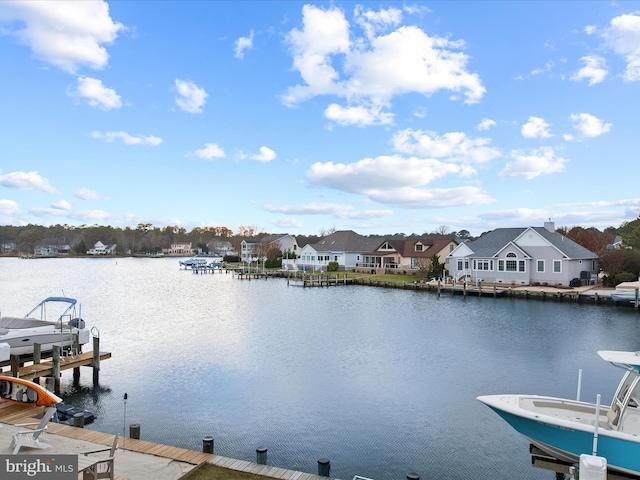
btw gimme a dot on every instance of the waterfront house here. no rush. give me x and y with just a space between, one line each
410 254
7 246
345 247
523 256
102 249
180 248
51 250
251 251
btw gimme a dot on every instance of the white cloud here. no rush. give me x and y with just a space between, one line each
96 93
536 127
542 161
375 68
128 139
324 33
210 150
242 44
588 125
410 197
594 70
452 146
62 205
266 155
9 208
385 172
373 22
360 115
26 181
66 34
86 194
623 37
486 124
337 210
191 98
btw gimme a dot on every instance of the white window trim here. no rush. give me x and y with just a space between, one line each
544 266
557 262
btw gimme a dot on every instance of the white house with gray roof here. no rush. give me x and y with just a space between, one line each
345 247
523 256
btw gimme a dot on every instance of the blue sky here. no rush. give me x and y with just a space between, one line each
299 117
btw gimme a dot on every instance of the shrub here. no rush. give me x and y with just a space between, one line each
231 259
332 267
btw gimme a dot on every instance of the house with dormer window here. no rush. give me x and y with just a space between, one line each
102 249
523 256
345 247
410 253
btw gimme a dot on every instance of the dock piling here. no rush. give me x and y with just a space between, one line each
324 467
55 371
78 420
207 445
134 431
261 455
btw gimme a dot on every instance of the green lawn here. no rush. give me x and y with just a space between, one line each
209 471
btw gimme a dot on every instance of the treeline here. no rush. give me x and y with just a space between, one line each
620 264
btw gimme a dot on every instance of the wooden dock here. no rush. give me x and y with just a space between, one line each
46 368
11 413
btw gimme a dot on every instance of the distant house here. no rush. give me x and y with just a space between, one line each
345 247
7 246
51 250
617 243
249 251
179 248
220 248
102 249
410 254
523 256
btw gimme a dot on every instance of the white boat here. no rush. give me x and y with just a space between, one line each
193 262
626 291
564 428
54 321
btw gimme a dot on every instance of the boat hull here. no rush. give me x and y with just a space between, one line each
567 442
24 392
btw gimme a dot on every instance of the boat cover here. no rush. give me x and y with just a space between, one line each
10 323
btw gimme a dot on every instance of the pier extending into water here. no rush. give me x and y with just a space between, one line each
31 367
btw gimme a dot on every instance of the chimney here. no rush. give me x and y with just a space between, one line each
551 226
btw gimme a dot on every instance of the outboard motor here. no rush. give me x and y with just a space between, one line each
77 323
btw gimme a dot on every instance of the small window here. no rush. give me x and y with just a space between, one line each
419 247
540 266
521 266
557 266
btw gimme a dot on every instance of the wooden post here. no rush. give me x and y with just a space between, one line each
96 360
261 456
324 467
134 431
495 292
56 368
78 420
15 364
207 445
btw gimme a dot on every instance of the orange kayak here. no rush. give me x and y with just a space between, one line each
25 392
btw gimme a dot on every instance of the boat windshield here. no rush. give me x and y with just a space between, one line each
628 394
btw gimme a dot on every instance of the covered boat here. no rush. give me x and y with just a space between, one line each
626 292
564 428
54 321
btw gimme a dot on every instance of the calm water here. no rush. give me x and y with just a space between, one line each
381 382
